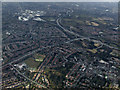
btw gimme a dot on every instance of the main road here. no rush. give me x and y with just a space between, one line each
27 54
26 77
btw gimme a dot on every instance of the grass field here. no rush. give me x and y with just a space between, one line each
34 62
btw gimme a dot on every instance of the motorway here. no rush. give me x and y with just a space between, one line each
81 37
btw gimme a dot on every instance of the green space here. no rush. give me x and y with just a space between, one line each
31 63
34 61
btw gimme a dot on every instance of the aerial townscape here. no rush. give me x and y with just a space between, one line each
60 45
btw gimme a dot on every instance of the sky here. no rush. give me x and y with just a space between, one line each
59 0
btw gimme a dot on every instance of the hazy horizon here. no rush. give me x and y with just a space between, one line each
59 0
